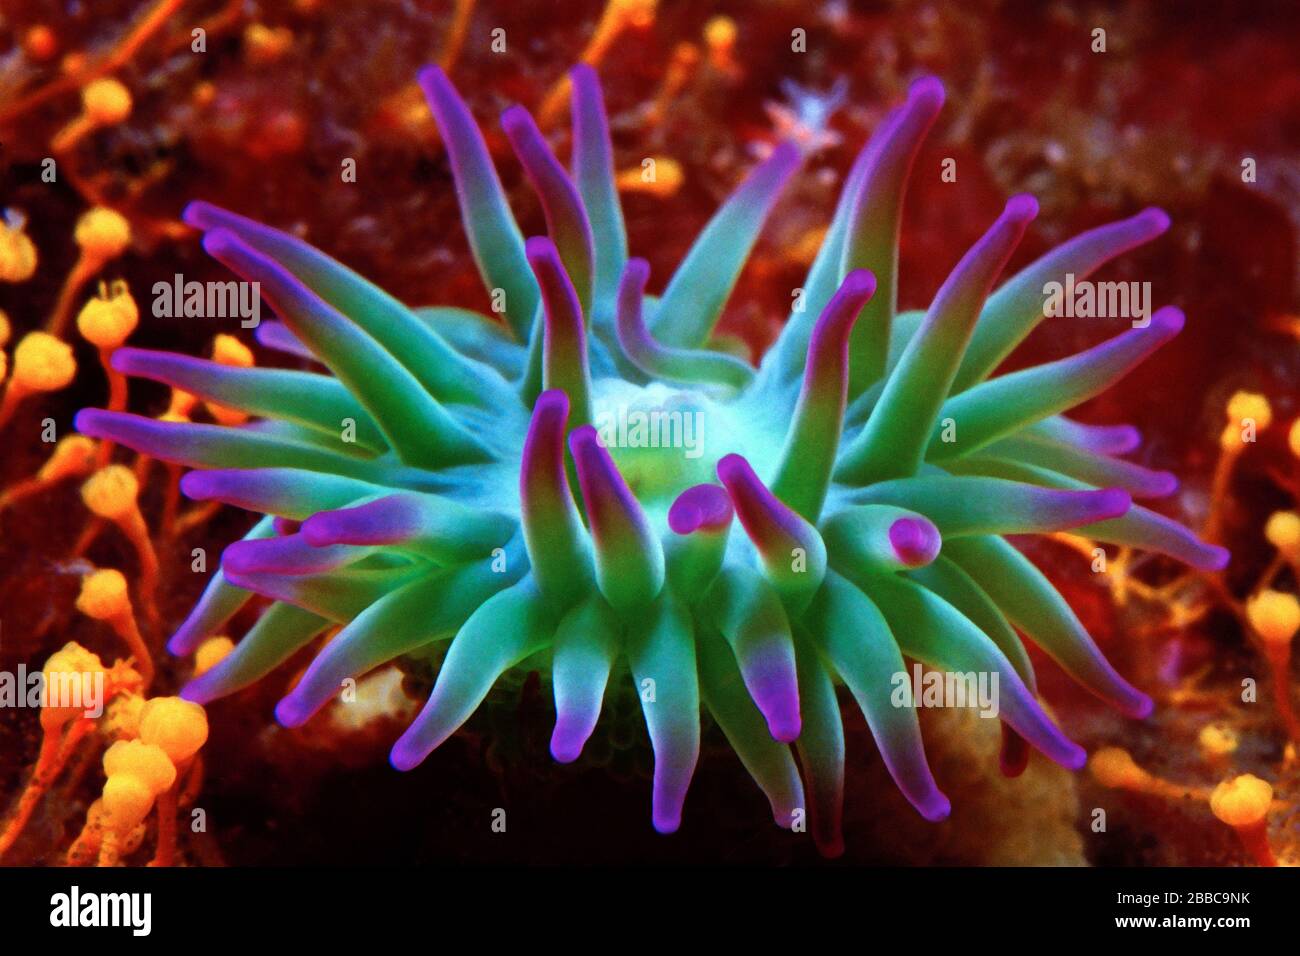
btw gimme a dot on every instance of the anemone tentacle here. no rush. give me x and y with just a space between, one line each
495 500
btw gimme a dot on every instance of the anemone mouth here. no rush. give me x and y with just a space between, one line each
592 484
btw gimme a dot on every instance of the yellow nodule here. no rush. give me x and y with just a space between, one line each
228 350
73 658
1283 532
122 716
1250 405
111 492
1242 801
180 727
720 33
1218 740
127 801
211 653
106 101
148 763
17 255
73 455
1293 438
104 595
6 330
1275 615
1114 767
102 233
43 363
637 13
107 320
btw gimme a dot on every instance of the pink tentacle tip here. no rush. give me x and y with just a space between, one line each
1112 503
1216 558
928 93
915 541
933 806
541 250
1169 320
1020 208
701 507
292 712
1155 217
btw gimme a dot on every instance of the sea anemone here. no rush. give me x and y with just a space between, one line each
557 492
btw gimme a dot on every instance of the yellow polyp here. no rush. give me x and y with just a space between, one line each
40 43
180 407
1242 801
42 363
1275 616
106 101
127 801
1230 438
179 727
73 455
1250 405
263 44
1114 767
18 256
109 318
1283 532
102 234
1218 740
211 653
122 717
666 179
111 492
1293 438
228 350
720 36
148 763
635 13
6 330
104 595
72 669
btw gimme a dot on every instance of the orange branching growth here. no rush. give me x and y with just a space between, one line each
77 690
149 23
112 493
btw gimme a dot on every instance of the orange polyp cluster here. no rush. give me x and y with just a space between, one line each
1243 804
76 671
157 746
104 598
111 493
